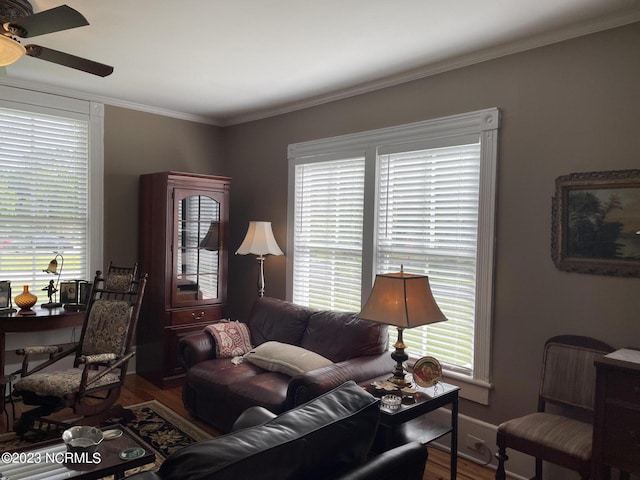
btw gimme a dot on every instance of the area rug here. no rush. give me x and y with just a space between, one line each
163 430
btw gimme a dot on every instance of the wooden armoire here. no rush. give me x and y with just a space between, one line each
183 246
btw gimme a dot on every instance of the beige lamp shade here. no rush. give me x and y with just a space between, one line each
53 267
259 240
403 300
10 51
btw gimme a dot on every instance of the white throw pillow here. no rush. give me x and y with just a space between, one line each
284 358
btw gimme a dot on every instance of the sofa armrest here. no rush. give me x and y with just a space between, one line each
406 462
196 348
314 383
252 417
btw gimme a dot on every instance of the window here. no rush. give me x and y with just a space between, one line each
420 195
329 202
51 165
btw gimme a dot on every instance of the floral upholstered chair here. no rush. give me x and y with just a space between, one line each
92 387
119 278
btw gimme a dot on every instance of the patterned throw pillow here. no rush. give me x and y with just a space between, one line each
232 338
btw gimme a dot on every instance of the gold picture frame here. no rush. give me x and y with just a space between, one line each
596 223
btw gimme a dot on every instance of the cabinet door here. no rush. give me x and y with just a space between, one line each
197 252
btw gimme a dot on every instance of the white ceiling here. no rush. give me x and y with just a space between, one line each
228 61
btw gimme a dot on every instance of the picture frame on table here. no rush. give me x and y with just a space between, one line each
69 292
5 296
84 292
596 223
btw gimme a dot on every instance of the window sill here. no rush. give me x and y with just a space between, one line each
470 389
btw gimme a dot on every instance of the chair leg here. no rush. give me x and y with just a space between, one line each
539 469
502 457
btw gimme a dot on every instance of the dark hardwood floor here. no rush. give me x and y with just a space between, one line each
139 390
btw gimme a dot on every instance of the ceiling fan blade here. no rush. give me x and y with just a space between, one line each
54 20
68 60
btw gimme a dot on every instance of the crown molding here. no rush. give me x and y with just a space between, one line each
65 92
480 56
435 68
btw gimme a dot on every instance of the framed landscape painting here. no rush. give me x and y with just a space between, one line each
596 223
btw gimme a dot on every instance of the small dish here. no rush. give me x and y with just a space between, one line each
112 434
82 438
391 402
427 372
131 453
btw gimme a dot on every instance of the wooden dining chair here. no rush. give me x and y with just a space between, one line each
563 437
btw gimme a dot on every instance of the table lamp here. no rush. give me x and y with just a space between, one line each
403 300
259 241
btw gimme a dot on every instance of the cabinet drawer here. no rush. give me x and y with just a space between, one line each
195 315
623 386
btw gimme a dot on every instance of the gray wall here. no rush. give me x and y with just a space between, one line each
568 107
137 143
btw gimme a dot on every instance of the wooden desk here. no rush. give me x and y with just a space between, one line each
616 428
44 319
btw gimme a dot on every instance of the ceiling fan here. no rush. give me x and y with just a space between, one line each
18 20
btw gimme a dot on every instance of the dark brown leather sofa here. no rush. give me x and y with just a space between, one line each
218 391
328 438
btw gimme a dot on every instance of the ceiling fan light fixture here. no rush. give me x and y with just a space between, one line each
10 51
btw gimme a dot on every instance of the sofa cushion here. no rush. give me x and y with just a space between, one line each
340 336
284 358
231 338
317 440
278 320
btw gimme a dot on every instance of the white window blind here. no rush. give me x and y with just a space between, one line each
423 197
328 221
427 221
44 166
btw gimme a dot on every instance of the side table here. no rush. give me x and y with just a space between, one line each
411 422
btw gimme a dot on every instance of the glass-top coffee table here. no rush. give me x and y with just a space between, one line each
48 460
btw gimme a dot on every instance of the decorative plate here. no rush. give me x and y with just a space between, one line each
427 372
131 453
112 434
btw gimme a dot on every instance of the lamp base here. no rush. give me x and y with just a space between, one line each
400 382
400 357
51 305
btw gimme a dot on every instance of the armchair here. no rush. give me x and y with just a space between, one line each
101 357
